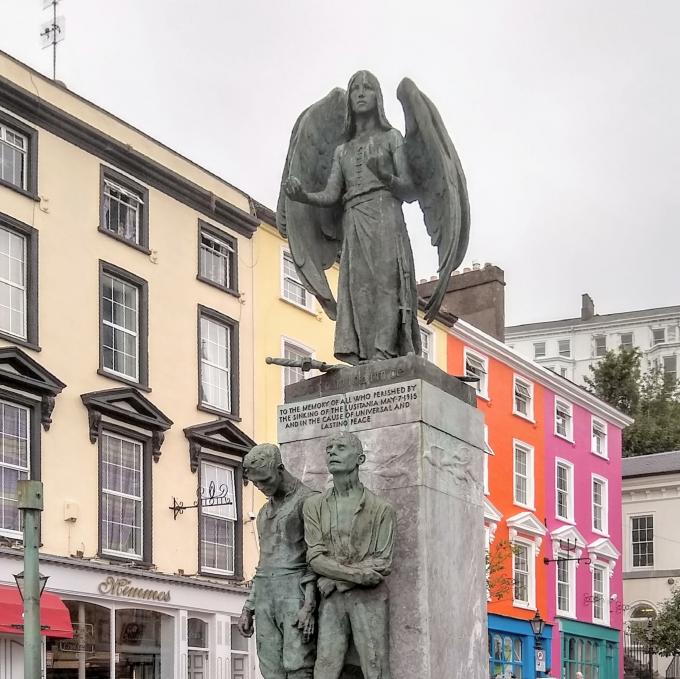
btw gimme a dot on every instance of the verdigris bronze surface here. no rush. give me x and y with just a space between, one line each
283 595
350 532
347 173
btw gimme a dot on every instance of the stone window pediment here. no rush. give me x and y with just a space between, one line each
570 537
526 524
603 550
20 372
221 437
129 406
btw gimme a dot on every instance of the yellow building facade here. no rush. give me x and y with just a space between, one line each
126 386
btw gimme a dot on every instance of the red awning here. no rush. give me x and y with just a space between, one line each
55 619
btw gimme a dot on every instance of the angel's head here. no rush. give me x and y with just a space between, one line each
364 96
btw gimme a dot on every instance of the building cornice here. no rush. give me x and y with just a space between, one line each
597 323
492 347
49 117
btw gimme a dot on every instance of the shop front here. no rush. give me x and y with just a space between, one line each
512 648
592 650
128 624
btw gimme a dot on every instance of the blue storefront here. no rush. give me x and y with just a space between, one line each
512 647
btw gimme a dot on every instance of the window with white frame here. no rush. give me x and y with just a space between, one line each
564 347
564 490
292 288
122 210
216 346
523 402
477 366
522 573
564 372
523 474
15 456
218 521
626 341
563 419
12 283
599 498
217 258
539 349
658 336
291 375
120 326
642 541
600 345
670 368
599 437
565 585
122 501
487 452
426 343
600 594
13 157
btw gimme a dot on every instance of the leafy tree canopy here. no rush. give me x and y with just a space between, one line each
665 633
653 399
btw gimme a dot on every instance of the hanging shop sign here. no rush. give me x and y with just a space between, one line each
123 587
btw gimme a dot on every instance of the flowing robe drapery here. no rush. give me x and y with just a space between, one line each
377 296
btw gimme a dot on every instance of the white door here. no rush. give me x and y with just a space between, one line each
197 665
11 658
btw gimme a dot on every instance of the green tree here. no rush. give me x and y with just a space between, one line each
616 380
666 628
652 399
498 569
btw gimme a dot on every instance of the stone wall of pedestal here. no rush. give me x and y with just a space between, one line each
423 440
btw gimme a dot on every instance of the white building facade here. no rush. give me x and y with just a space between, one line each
651 549
570 346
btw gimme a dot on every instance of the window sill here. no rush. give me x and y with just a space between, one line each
125 241
20 342
569 522
524 417
484 397
524 605
564 438
310 311
136 561
600 455
24 192
565 614
601 533
223 288
130 383
530 508
222 575
216 411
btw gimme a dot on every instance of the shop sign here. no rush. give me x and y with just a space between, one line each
123 587
82 642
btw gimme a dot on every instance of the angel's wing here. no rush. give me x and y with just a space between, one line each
440 185
313 232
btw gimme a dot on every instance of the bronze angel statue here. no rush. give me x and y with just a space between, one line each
347 173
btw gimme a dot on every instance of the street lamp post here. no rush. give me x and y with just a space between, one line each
537 625
30 497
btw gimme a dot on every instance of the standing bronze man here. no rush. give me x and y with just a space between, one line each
283 595
350 538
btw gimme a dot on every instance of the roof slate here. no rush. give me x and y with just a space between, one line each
648 465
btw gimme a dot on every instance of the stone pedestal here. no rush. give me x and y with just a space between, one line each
423 439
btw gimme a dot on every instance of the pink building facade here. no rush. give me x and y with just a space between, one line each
584 542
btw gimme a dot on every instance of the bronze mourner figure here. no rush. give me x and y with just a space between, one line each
347 173
350 537
283 595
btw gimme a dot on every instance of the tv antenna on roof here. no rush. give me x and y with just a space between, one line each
52 32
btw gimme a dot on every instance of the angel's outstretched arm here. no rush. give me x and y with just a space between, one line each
325 198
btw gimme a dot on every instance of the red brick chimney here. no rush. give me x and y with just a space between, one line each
476 295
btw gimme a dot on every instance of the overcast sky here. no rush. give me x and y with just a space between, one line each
566 114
